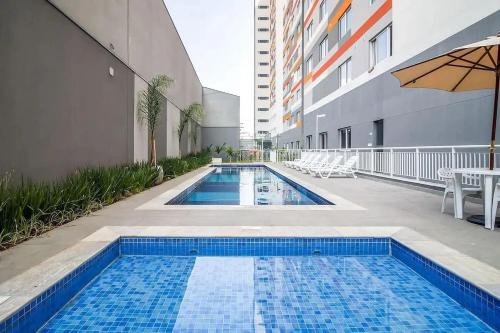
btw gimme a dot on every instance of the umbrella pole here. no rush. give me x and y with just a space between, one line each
494 125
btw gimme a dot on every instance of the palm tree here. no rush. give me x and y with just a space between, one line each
151 103
194 112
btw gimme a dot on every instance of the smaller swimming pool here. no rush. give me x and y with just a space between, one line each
246 186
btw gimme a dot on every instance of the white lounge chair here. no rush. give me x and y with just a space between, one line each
322 161
447 175
305 162
346 169
303 159
327 165
315 160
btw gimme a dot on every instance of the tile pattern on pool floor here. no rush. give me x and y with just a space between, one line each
282 294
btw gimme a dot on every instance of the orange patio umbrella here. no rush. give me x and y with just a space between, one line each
470 67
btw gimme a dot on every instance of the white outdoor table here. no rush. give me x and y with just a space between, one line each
489 175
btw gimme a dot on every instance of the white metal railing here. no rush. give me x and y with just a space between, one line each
412 164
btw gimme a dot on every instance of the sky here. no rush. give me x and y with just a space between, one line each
218 36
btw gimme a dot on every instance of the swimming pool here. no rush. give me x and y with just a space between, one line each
246 186
163 284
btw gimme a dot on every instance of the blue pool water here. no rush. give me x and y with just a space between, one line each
258 284
149 293
248 294
249 186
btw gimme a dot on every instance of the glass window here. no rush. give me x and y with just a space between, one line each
378 127
297 144
310 31
263 120
322 10
345 22
345 138
345 72
309 141
309 65
323 140
323 48
381 46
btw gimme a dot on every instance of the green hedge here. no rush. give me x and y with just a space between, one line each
29 209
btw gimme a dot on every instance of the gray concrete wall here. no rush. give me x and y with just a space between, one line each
221 119
412 117
60 108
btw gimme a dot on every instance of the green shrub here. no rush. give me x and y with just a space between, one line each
29 209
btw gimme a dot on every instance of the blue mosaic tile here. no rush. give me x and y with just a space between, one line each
282 294
476 300
253 246
254 284
34 314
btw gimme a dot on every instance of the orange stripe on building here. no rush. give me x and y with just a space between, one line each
384 9
335 18
310 13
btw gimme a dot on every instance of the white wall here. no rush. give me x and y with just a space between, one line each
220 109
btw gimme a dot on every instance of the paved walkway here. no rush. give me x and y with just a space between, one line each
386 205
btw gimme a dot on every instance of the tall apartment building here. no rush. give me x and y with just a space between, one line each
262 69
71 74
268 66
338 90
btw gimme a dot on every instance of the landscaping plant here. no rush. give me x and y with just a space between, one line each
151 103
28 209
194 113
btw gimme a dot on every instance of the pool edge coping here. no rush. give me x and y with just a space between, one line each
158 202
22 289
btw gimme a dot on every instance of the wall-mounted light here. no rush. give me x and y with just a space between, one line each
111 71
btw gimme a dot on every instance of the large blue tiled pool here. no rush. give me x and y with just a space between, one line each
259 285
246 186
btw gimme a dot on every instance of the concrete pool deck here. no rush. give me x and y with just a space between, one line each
385 204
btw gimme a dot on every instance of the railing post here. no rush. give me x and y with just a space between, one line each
453 158
391 162
372 163
357 163
417 163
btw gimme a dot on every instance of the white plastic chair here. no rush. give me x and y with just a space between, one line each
318 159
447 175
344 169
496 199
328 165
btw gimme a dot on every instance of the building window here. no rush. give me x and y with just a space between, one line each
381 46
263 29
322 10
297 144
291 145
263 109
345 137
323 140
263 120
263 52
309 31
345 22
309 65
263 86
378 127
263 18
263 63
309 139
263 98
263 7
323 48
345 72
263 75
263 41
